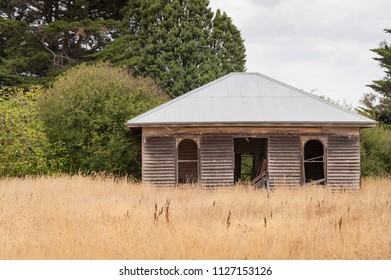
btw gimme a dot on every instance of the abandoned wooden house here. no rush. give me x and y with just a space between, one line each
246 126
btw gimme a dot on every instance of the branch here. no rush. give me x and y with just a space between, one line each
56 57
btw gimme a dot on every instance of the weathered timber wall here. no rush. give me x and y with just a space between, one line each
158 160
284 160
217 162
244 131
343 161
216 154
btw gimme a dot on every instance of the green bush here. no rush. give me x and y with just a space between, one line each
86 110
24 147
376 151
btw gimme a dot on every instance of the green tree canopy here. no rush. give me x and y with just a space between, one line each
40 38
86 110
182 44
378 105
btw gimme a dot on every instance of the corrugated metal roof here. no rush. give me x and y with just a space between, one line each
248 98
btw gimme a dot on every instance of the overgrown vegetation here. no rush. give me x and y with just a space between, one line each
376 142
86 109
78 123
97 218
376 151
24 146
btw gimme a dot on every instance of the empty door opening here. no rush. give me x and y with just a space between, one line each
250 153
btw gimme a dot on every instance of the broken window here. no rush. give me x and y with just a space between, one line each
314 162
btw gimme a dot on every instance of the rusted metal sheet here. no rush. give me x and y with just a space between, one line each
158 160
343 161
284 160
217 160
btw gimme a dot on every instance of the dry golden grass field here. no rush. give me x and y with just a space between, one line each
85 218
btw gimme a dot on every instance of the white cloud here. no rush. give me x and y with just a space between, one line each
318 44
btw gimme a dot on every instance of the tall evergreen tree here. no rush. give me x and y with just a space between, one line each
227 44
39 37
180 43
379 105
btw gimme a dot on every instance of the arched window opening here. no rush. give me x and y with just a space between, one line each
314 159
187 162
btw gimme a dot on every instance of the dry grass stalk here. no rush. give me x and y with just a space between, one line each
340 224
229 219
157 213
167 211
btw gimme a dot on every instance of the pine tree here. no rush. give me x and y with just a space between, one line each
379 105
182 44
227 44
39 38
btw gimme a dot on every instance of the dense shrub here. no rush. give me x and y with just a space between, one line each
376 151
86 110
24 147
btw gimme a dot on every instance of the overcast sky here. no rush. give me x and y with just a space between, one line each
314 45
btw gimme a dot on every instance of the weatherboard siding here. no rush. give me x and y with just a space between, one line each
343 161
217 160
158 160
216 153
284 160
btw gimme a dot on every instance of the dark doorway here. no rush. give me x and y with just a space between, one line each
314 162
187 162
249 154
